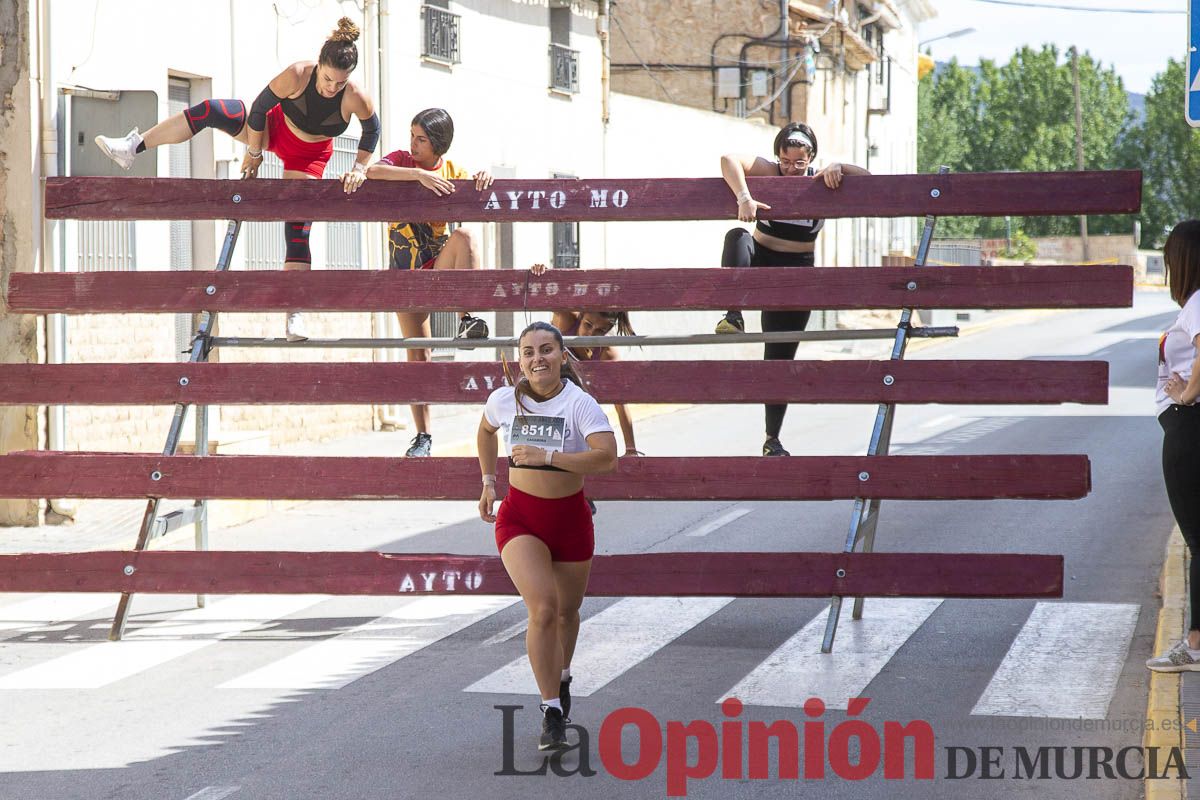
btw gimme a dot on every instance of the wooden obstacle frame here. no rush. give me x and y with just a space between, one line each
855 572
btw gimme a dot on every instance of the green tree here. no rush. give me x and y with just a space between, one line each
1167 150
1021 116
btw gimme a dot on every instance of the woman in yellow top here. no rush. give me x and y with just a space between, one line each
427 245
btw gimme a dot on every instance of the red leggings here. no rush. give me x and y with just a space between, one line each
563 523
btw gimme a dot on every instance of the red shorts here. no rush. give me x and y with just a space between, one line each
563 523
296 154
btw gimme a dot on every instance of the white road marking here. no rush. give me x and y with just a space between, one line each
99 665
798 670
213 793
359 651
511 632
612 642
1065 662
706 528
43 610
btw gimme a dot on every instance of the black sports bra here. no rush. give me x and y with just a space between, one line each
792 230
314 114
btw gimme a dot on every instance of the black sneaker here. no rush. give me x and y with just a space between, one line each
471 328
772 447
564 697
732 322
554 730
421 446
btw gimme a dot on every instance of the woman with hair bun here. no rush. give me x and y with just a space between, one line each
296 117
776 243
556 433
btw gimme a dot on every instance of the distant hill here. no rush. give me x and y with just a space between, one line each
1137 104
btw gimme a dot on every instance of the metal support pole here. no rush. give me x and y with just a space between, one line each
201 505
864 519
199 352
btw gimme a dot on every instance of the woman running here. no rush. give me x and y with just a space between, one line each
427 245
296 117
555 433
597 323
776 243
1179 415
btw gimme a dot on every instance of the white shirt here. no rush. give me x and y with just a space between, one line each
1177 349
561 424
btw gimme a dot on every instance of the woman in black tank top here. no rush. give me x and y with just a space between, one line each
776 243
296 117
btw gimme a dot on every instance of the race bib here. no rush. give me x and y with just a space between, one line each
547 433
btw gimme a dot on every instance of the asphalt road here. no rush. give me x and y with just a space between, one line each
328 698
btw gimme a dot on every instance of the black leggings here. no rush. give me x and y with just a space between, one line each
1181 471
742 251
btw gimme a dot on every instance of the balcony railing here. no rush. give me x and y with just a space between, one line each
564 69
441 35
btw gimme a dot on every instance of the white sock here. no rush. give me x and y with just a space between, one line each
566 674
554 703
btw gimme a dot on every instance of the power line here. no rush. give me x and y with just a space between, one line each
1026 4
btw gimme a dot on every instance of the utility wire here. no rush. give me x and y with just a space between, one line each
1091 9
649 71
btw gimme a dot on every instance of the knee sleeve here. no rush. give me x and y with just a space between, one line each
296 236
224 115
739 248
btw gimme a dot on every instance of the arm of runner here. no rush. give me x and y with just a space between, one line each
600 457
734 169
485 442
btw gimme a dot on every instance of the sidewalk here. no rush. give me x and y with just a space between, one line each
1173 701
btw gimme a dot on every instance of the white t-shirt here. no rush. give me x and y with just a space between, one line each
1176 349
561 424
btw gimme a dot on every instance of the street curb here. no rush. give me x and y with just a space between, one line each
1162 702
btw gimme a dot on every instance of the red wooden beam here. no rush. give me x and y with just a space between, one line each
52 474
623 381
1007 575
596 199
1101 286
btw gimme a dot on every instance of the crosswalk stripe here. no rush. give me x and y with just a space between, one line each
48 609
705 528
612 642
99 665
335 662
798 670
1065 662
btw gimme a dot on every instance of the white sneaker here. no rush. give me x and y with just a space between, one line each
122 150
296 330
1178 659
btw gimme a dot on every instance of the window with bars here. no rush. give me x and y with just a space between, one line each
441 35
265 248
564 69
565 254
343 240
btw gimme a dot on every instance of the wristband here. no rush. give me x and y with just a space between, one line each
743 196
254 153
549 457
360 169
489 478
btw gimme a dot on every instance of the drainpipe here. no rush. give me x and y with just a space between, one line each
384 324
784 36
51 253
602 23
